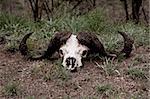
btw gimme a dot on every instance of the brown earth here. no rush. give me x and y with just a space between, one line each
41 79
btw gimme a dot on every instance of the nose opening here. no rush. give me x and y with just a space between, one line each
70 61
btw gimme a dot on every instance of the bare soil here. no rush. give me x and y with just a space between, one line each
31 81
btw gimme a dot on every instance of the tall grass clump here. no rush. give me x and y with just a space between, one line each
13 28
95 21
11 89
7 21
57 72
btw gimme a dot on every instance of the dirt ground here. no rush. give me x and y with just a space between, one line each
41 79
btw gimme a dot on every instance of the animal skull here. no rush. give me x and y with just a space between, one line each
73 48
72 53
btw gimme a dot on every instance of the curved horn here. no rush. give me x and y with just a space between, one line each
56 41
23 45
92 42
128 44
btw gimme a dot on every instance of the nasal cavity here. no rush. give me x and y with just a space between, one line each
70 61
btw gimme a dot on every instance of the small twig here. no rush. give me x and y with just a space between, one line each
126 9
117 72
47 10
79 2
145 17
98 65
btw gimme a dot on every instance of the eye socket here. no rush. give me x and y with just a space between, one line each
84 53
61 52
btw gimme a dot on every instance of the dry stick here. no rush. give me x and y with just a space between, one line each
34 1
31 4
79 2
94 3
52 2
57 4
49 10
46 10
145 17
136 4
41 11
33 7
126 9
91 2
36 11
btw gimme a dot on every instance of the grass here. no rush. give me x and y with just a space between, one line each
141 59
57 72
89 97
11 47
30 97
136 73
11 89
109 67
48 72
103 88
107 90
33 97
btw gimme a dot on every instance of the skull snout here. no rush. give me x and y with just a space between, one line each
70 62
